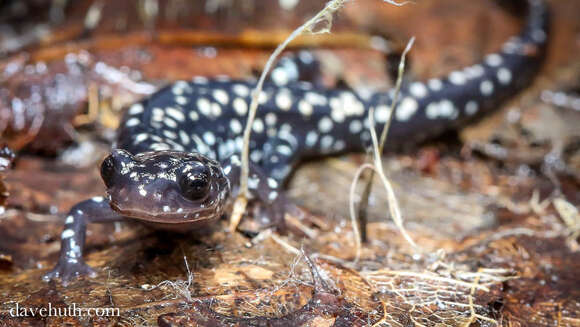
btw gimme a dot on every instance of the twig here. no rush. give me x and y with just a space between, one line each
358 237
363 206
394 208
285 245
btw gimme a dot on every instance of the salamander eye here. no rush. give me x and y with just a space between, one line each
195 184
108 171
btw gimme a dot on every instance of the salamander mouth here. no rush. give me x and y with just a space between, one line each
208 214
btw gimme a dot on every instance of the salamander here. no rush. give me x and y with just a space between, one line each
176 160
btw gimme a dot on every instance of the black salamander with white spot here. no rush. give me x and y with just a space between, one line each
177 156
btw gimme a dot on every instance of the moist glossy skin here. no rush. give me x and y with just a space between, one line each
180 187
196 128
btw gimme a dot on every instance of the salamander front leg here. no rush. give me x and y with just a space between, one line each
70 263
265 189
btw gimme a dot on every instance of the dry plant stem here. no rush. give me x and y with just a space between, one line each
285 245
325 15
238 210
358 238
319 284
363 206
400 72
394 208
180 287
474 316
378 149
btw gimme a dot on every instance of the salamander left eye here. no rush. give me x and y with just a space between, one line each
195 185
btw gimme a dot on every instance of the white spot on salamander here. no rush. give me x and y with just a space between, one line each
504 75
136 109
181 100
221 96
132 122
284 150
406 109
381 114
486 87
204 106
272 183
474 71
142 190
457 78
279 76
69 220
258 126
435 84
273 195
227 169
253 182
175 114
325 125
539 35
418 90
311 138
339 145
169 122
169 134
209 138
447 109
305 108
270 119
200 80
442 109
240 106
67 233
316 99
193 115
284 100
288 4
216 110
185 139
493 60
471 107
241 90
235 126
355 126
326 142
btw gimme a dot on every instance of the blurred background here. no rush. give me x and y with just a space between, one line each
502 193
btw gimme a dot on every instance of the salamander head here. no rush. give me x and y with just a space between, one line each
166 187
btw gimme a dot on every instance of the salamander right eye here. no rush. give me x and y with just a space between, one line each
108 171
195 184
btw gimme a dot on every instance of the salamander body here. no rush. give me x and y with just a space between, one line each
177 156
